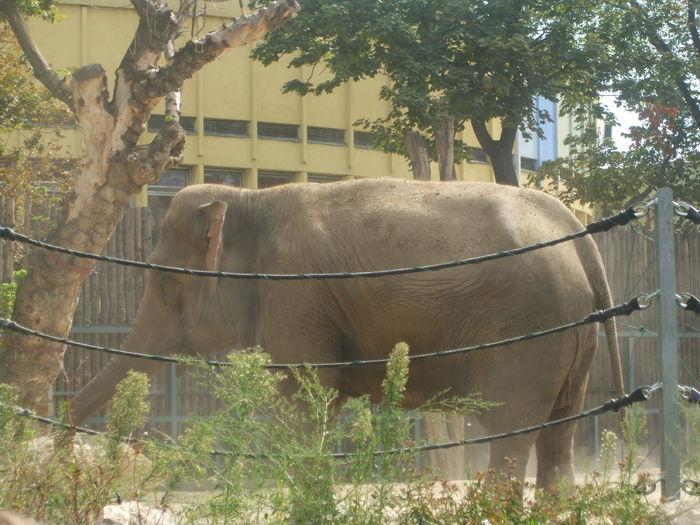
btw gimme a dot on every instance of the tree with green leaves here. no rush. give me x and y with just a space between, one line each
115 166
30 151
449 64
653 67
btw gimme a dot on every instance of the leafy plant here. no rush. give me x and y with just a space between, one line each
279 463
265 457
7 293
61 478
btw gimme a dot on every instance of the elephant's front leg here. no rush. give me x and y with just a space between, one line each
508 457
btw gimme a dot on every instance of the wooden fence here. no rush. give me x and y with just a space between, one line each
110 299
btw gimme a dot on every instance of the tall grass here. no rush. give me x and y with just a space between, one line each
267 458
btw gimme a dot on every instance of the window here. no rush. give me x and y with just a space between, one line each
272 131
228 177
330 136
528 164
267 179
608 131
161 192
318 177
155 122
226 128
478 155
363 139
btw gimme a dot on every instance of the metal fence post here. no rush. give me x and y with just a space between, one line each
668 344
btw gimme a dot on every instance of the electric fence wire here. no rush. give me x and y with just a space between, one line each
620 219
638 395
689 302
640 302
683 209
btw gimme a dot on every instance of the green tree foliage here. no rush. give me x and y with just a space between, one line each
46 9
448 61
30 152
652 63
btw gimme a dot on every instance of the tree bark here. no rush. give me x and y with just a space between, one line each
418 153
444 133
115 169
500 152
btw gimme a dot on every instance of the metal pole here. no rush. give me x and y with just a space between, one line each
668 344
630 380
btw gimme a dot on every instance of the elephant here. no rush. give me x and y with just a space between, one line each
373 224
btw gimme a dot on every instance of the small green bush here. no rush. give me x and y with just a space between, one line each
267 458
7 293
58 479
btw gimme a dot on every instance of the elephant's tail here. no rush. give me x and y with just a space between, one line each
598 278
606 301
614 351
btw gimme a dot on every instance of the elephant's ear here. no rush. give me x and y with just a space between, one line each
213 215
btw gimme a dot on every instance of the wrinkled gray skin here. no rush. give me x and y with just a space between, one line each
382 224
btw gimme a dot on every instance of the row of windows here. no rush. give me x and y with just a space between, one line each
275 131
266 130
160 193
479 155
176 178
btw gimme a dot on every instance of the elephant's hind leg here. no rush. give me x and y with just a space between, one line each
555 445
555 452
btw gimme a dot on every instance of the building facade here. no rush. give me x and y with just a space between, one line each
242 130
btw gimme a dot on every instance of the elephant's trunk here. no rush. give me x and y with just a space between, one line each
155 331
94 396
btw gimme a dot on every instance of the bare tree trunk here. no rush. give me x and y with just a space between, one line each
500 151
418 153
445 145
116 167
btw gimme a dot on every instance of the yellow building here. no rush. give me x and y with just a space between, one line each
241 129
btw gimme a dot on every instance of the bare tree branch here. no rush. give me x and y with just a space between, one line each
147 162
141 7
199 52
186 10
158 25
166 149
90 93
42 70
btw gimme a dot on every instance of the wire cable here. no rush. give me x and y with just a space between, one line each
638 303
638 395
620 219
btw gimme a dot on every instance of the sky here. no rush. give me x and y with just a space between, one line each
625 120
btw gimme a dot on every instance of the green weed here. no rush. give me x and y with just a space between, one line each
267 458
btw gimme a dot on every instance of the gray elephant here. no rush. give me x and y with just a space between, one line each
383 224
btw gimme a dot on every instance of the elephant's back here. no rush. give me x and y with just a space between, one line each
390 221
